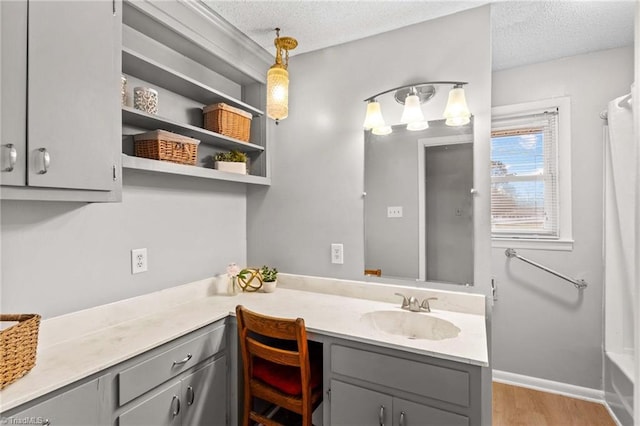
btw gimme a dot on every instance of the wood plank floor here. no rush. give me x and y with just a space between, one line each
517 406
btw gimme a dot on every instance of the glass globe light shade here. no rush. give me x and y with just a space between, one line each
277 93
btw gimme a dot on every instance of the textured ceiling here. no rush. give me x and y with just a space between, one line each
523 31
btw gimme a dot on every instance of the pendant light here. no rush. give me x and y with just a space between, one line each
278 79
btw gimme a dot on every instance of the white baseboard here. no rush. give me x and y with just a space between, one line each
573 391
544 385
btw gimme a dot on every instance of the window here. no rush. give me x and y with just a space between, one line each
530 174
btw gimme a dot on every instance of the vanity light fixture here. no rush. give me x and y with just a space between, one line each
412 96
278 79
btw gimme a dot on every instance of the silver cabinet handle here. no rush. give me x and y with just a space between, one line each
381 415
13 157
175 406
46 161
191 395
401 418
182 361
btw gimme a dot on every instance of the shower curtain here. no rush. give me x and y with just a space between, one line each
619 232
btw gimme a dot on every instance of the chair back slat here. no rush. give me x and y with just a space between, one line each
277 355
278 328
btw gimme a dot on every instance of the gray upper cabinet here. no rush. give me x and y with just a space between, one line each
13 87
67 139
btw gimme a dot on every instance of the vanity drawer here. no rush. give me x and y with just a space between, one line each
178 357
431 381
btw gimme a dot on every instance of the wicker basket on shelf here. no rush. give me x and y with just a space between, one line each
166 146
18 344
227 120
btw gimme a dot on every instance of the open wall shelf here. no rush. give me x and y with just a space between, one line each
145 164
141 119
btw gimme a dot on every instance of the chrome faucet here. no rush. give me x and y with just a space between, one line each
412 304
409 303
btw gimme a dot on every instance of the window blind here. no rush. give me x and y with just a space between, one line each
524 176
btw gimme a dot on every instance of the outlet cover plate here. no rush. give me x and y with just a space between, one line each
138 260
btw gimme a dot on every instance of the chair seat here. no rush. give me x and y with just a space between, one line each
284 377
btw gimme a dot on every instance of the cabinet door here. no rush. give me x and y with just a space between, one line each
353 405
73 94
205 395
13 87
161 409
407 413
79 406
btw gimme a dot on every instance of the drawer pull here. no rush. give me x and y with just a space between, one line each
175 406
401 418
13 157
381 415
46 161
182 361
191 395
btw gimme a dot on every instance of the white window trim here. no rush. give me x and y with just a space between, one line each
565 240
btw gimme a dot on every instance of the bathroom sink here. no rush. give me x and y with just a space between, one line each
413 325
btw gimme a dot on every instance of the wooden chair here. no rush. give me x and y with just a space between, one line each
277 366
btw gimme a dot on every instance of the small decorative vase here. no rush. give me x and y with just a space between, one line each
269 286
232 287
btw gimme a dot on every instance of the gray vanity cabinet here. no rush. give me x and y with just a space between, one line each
369 384
81 406
185 382
199 399
60 99
355 405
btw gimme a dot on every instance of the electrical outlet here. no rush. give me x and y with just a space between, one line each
395 211
138 260
337 253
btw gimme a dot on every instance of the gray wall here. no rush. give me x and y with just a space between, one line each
62 257
542 327
316 196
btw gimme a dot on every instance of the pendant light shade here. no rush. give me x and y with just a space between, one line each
277 93
457 112
373 119
412 111
278 79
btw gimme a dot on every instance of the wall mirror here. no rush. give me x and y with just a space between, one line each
418 204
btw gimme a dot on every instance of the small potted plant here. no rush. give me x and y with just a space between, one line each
232 161
269 278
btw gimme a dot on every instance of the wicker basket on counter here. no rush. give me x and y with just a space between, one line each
166 146
227 120
18 344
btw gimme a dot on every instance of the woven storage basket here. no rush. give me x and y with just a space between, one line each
18 343
228 121
166 146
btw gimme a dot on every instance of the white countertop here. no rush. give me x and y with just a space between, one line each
76 345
